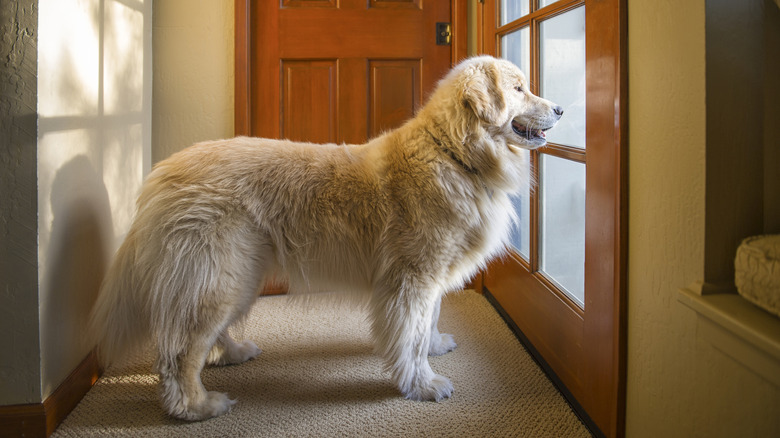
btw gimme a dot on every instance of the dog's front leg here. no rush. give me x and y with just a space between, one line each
402 328
440 343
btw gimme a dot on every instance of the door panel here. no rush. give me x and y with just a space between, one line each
309 3
394 93
313 32
336 71
309 92
396 4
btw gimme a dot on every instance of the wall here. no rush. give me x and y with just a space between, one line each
93 98
93 146
771 95
678 384
193 74
20 380
94 143
735 90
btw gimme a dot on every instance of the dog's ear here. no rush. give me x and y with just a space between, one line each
482 94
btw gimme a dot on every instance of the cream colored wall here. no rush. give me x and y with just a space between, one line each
20 371
678 385
94 143
193 73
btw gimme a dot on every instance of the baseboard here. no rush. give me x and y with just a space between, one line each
41 419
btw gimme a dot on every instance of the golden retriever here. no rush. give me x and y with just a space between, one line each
400 220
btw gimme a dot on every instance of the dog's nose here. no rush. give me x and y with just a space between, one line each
558 110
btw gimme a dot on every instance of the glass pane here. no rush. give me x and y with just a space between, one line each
521 234
516 47
563 74
562 210
511 10
543 3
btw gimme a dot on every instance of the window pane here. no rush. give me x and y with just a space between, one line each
543 3
563 74
521 235
511 10
516 47
562 209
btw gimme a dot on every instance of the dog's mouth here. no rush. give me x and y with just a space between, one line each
529 134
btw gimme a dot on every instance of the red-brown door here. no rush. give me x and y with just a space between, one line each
337 71
563 285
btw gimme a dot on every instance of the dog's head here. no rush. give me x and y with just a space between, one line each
498 94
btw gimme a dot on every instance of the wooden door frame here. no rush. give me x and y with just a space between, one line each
608 79
243 56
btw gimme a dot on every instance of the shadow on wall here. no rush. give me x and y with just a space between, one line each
94 133
81 237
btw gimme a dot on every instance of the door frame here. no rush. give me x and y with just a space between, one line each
243 55
607 216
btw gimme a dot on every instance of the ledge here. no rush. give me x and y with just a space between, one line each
741 330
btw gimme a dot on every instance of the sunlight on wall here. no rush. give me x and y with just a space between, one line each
94 137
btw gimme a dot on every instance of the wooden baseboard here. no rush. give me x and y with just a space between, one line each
41 419
477 283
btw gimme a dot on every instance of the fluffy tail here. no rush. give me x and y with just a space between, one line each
116 324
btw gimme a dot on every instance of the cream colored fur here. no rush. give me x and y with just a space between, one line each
401 220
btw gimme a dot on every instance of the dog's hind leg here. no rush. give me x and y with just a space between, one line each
214 282
181 389
440 343
227 351
206 337
402 328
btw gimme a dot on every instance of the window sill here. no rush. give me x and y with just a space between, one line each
733 325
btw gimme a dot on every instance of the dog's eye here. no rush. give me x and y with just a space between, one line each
519 89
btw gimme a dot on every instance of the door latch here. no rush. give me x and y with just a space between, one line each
443 34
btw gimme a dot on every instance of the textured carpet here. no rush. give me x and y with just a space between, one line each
317 376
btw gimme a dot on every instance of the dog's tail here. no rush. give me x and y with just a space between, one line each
117 325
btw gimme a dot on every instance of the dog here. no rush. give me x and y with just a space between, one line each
400 221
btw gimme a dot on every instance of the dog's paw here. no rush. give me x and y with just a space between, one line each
216 404
437 389
213 405
233 354
247 350
443 345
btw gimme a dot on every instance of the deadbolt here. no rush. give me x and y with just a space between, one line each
443 34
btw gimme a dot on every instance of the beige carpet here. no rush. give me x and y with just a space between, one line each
317 376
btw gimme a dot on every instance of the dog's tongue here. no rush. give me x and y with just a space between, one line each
521 128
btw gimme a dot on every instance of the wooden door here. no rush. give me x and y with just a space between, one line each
337 71
564 284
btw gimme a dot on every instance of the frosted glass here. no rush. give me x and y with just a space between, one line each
516 47
511 10
562 41
521 234
544 3
562 209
